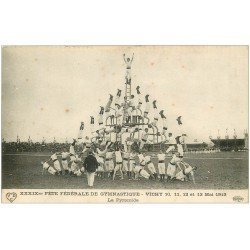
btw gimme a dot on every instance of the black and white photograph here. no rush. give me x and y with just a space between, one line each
142 123
124 124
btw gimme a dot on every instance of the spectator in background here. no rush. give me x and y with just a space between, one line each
90 164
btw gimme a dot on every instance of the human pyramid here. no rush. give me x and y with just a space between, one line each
125 126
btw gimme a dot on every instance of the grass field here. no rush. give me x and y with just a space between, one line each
225 170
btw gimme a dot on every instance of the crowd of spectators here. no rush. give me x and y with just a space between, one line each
12 147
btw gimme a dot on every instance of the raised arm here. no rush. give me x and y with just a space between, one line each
192 175
101 152
178 165
132 58
125 147
124 58
96 163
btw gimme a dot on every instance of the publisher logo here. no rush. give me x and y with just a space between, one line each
11 196
238 198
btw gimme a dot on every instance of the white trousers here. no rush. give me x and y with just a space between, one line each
128 74
142 143
109 165
161 168
125 165
51 170
74 167
180 176
144 174
171 170
100 119
80 133
180 149
91 178
57 165
65 165
151 168
131 165
188 170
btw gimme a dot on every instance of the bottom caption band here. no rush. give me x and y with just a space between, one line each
123 196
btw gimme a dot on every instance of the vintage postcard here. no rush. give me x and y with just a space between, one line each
125 124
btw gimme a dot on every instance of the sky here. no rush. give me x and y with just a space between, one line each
48 90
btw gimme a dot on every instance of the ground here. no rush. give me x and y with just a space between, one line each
224 170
